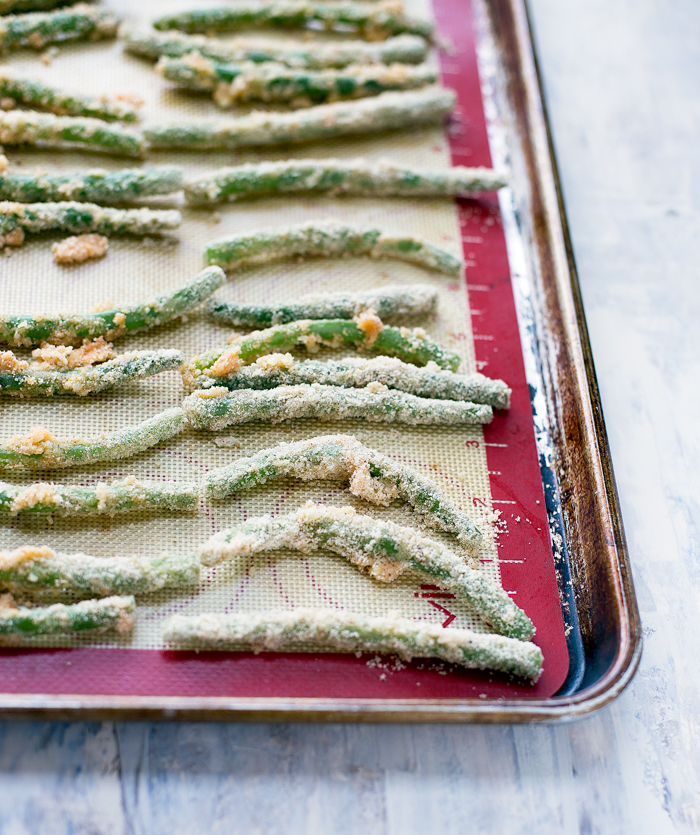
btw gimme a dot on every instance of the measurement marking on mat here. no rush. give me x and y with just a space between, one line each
484 336
515 562
495 472
502 501
479 288
504 446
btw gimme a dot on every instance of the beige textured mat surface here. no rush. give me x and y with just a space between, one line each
135 270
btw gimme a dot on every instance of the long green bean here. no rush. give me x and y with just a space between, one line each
114 497
273 82
41 450
365 333
216 408
94 186
42 570
37 95
326 239
382 547
116 613
30 330
27 381
36 29
387 302
402 49
373 21
372 476
357 372
355 177
333 630
387 111
46 130
83 217
14 6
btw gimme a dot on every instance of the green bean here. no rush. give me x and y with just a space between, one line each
35 94
403 49
326 239
391 301
36 29
114 497
355 177
371 21
82 217
273 82
372 476
13 6
20 127
217 408
410 346
41 450
116 613
382 547
94 186
133 365
29 330
357 372
387 111
40 570
333 630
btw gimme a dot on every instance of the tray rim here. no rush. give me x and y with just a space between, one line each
554 242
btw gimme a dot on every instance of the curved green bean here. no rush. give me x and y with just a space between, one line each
384 548
372 476
36 29
116 613
66 329
40 450
334 630
31 570
402 49
387 111
327 239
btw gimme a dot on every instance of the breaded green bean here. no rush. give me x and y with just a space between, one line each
217 408
392 301
113 497
40 96
387 111
40 569
116 613
46 130
357 372
403 49
14 6
67 329
411 346
332 630
273 82
384 548
26 381
372 476
373 21
36 29
355 177
94 186
326 239
40 450
82 217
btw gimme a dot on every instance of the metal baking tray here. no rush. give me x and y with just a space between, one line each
598 625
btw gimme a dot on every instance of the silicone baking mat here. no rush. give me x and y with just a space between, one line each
493 473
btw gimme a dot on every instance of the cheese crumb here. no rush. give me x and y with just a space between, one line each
272 362
228 363
371 325
79 248
36 442
39 493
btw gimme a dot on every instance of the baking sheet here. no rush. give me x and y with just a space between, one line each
492 472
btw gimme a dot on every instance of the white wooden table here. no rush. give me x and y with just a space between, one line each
622 80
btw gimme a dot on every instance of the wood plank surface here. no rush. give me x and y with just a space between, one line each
621 81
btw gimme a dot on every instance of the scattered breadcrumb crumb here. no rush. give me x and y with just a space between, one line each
4 164
79 248
13 238
64 357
